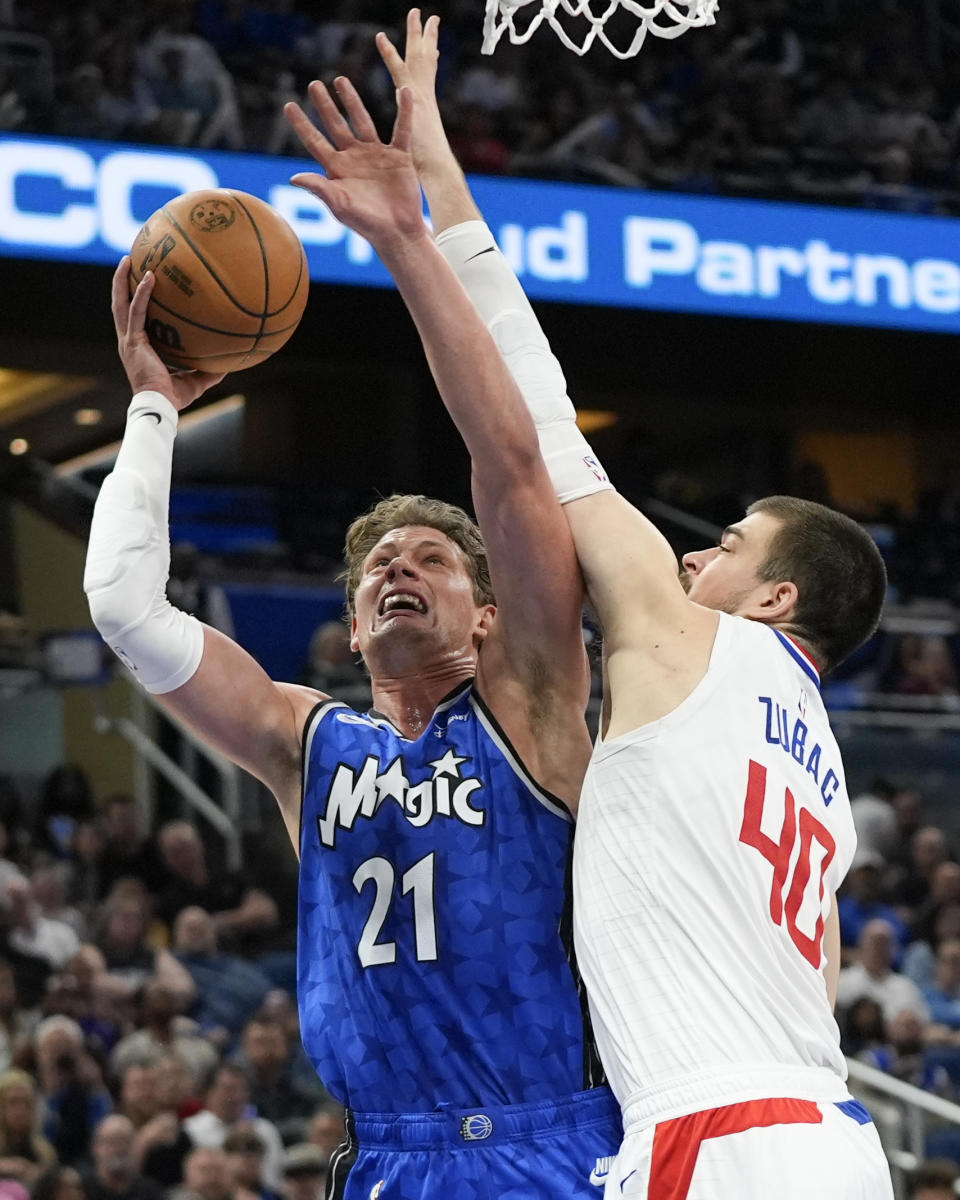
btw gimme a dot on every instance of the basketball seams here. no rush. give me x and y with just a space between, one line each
247 312
266 272
210 277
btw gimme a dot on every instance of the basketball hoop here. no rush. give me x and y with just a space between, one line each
662 18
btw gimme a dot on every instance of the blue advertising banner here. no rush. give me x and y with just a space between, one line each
85 201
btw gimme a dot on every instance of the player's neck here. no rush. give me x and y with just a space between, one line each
409 701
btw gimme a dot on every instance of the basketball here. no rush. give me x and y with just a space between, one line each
231 280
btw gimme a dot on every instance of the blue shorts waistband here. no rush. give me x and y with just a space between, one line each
484 1124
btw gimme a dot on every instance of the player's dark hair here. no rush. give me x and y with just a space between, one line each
399 510
840 577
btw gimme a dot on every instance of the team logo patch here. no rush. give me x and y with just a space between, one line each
476 1127
598 1175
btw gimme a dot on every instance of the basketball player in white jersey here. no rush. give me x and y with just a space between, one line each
714 825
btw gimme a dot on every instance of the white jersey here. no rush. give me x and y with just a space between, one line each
709 846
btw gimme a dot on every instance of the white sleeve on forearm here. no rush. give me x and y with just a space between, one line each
128 556
473 254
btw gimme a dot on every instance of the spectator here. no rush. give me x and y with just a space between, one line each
206 1175
326 1127
943 996
862 1028
238 911
128 850
34 935
85 991
16 1023
137 1099
906 1058
74 1097
115 1175
304 1172
873 975
50 885
225 1102
919 962
928 849
59 1183
162 1143
229 989
874 818
66 800
275 1090
163 1033
862 901
130 958
24 1152
183 70
245 1151
331 664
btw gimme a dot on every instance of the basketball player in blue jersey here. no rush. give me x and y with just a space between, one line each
438 996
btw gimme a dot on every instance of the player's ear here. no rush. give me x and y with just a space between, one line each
487 613
780 603
354 641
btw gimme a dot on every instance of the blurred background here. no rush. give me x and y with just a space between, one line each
742 244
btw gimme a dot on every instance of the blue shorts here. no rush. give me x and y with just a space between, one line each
551 1150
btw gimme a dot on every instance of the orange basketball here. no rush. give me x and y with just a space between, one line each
231 280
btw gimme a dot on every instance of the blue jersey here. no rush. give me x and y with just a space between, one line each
434 961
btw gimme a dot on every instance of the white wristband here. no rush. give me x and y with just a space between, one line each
128 556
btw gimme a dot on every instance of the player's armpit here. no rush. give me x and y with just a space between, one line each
235 707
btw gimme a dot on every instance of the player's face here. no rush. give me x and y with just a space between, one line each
726 576
415 597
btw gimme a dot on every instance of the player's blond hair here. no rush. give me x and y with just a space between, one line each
397 511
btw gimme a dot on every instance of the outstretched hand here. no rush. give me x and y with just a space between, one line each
144 367
368 186
417 70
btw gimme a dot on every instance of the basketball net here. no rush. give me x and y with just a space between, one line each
663 18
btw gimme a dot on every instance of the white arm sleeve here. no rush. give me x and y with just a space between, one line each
473 254
128 556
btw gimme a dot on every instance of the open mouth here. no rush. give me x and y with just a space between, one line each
401 602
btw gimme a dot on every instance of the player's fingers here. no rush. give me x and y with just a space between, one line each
337 129
137 317
414 30
430 32
316 185
391 58
403 126
120 294
311 137
356 110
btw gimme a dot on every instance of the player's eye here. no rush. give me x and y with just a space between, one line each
723 548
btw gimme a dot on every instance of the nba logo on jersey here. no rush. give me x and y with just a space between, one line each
475 1128
802 703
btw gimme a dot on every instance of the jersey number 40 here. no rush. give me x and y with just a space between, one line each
786 897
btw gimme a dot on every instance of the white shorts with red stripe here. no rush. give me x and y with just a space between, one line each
788 1149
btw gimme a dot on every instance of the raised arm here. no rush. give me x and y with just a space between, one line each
627 563
373 189
203 677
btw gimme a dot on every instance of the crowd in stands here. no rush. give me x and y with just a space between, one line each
899 990
840 103
149 1039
